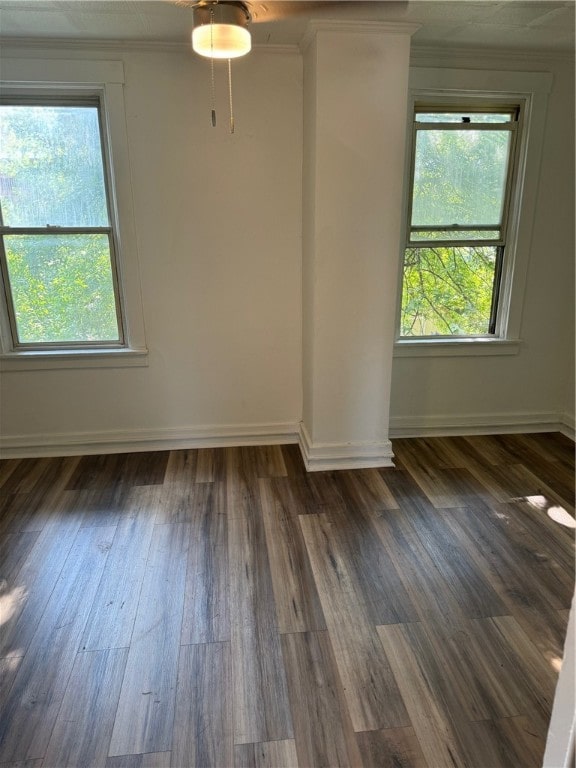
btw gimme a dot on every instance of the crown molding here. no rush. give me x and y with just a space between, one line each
355 27
71 44
481 55
12 46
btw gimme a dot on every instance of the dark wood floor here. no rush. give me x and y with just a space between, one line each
224 608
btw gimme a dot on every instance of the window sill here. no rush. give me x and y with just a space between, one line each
456 347
47 360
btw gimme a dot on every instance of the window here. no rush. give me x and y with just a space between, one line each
462 176
91 227
57 251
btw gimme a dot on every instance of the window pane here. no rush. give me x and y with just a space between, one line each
447 291
451 234
460 177
462 117
62 288
51 169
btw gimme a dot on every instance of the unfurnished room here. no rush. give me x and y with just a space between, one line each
287 384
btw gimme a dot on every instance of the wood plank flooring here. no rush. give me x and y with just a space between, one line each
222 607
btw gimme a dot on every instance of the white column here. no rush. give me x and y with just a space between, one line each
355 102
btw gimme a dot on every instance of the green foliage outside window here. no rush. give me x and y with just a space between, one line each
459 185
52 178
51 167
62 288
447 291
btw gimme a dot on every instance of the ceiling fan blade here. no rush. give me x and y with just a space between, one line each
270 11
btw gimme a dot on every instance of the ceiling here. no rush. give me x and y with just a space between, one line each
510 25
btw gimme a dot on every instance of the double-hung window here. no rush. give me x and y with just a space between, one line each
463 164
58 242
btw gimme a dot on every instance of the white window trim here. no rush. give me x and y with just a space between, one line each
22 76
531 89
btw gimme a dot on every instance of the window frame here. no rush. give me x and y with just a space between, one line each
514 127
53 80
48 100
498 90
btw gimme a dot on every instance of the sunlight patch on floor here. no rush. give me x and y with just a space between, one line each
559 515
9 600
555 663
540 502
554 511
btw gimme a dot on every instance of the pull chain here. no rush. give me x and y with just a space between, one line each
212 79
230 96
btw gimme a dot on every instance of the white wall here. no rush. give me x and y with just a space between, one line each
219 222
219 242
536 386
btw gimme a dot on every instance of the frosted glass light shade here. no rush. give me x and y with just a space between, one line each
220 29
221 41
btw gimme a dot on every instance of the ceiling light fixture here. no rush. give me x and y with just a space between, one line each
220 32
220 29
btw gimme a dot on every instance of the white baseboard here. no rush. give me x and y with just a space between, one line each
481 424
568 425
322 456
127 441
328 456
